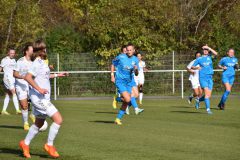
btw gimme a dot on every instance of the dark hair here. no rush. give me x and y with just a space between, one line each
130 44
26 47
200 52
124 46
231 49
10 48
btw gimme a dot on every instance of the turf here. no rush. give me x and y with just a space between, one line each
167 130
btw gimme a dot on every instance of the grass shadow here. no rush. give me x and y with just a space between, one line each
187 112
106 122
11 127
181 106
19 153
107 112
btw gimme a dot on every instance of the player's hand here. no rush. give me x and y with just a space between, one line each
51 67
136 72
113 79
205 47
224 68
199 68
65 74
43 91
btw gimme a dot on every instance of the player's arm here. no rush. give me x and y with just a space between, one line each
221 66
215 53
112 73
189 68
236 66
194 66
17 75
63 74
30 80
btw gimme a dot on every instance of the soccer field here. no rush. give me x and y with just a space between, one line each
169 129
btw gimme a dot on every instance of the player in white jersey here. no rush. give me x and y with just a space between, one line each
140 78
194 79
22 87
7 65
39 78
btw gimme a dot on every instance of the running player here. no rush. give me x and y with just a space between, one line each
123 80
117 97
228 64
22 87
7 65
140 78
206 73
135 93
194 79
38 77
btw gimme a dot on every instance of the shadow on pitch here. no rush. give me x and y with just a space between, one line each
19 153
11 127
187 112
105 122
106 112
181 106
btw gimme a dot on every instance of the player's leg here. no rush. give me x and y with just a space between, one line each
140 87
15 100
207 85
5 103
228 82
126 99
33 131
134 95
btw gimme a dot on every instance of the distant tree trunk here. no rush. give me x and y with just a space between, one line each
10 25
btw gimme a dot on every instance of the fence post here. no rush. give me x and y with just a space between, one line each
182 84
55 88
58 72
173 74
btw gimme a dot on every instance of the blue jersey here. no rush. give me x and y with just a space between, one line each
229 62
206 64
124 67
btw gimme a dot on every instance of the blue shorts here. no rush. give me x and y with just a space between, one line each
206 82
123 86
228 79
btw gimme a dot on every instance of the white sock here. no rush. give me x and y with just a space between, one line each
33 131
53 131
140 97
15 102
6 101
25 115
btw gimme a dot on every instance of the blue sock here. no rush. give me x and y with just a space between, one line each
202 99
120 114
134 102
224 97
119 99
207 103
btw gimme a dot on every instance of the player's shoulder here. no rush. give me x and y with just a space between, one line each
38 61
21 59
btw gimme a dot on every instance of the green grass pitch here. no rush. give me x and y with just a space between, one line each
167 130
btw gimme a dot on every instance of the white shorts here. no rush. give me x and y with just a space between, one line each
9 82
139 80
22 91
195 84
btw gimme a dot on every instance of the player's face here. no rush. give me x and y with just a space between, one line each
139 56
125 50
231 53
11 53
198 55
30 51
205 52
130 51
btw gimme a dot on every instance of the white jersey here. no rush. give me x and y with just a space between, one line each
23 65
142 65
41 72
8 65
194 76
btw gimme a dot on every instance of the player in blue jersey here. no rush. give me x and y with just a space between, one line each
123 80
117 97
206 74
134 95
228 64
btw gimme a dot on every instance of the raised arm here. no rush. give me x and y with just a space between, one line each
210 49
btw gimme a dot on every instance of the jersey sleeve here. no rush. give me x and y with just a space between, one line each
115 61
34 70
196 63
221 62
144 64
189 66
3 63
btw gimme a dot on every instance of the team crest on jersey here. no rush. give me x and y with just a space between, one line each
208 59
